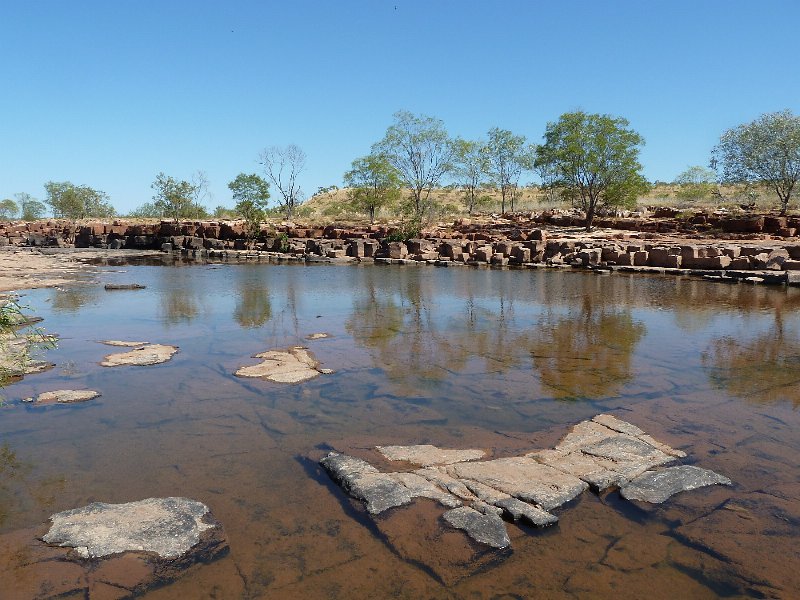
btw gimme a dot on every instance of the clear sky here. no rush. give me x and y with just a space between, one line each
108 93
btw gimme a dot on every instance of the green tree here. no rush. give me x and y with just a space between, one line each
8 209
470 166
695 183
282 166
30 207
594 160
70 201
148 210
374 183
508 158
766 150
421 151
173 198
251 194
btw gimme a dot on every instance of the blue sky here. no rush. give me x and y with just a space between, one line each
109 93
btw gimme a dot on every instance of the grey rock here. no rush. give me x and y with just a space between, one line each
519 510
124 286
364 482
485 529
657 486
443 480
420 487
167 527
149 354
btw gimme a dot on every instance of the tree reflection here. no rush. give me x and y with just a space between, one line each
253 307
588 354
764 369
70 300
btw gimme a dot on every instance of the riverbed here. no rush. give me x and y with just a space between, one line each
505 360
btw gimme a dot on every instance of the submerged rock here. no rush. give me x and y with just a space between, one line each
426 455
318 336
657 486
124 286
166 527
148 354
66 396
123 343
364 482
284 366
487 529
603 452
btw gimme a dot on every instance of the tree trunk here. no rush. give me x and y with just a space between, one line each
372 215
590 215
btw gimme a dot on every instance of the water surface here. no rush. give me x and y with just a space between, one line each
507 360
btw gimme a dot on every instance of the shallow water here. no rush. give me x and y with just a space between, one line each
502 359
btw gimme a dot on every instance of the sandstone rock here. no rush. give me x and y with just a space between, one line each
420 487
657 486
364 482
294 365
426 455
123 343
124 286
66 396
487 529
318 336
149 354
523 478
167 527
519 510
443 480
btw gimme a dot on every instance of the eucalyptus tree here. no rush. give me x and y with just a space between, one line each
695 183
373 184
173 198
251 194
470 168
282 166
71 201
418 147
508 157
766 151
8 209
30 207
593 160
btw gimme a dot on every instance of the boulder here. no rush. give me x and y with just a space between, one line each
486 529
148 354
66 396
284 366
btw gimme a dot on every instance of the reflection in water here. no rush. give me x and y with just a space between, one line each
588 354
179 296
253 307
764 369
585 352
70 300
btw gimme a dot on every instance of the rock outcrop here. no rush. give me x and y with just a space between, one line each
141 355
602 453
66 396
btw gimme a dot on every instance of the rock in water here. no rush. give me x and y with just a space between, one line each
149 354
426 455
66 396
657 486
167 527
486 529
284 366
363 481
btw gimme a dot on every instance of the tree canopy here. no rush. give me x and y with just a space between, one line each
695 183
30 207
8 209
418 147
766 150
251 194
593 159
172 197
374 183
508 157
70 201
470 167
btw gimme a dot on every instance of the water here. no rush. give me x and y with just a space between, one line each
501 359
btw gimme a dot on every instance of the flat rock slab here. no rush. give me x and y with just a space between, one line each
602 452
486 529
37 569
66 396
166 527
426 455
523 478
294 365
657 486
146 355
123 343
318 336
